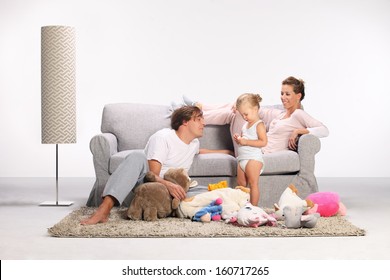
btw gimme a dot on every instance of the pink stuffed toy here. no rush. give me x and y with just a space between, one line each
327 204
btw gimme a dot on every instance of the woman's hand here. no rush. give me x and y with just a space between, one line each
175 190
293 141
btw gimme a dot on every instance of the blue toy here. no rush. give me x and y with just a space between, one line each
211 212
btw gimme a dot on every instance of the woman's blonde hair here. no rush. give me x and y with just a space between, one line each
253 99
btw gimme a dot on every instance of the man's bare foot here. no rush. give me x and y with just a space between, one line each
97 217
102 213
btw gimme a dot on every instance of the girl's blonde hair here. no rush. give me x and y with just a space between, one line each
253 99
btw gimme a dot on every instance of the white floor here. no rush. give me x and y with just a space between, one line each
23 230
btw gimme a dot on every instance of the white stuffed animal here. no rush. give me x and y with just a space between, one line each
290 198
250 216
295 219
233 200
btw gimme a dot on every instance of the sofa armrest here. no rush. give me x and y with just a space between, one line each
103 146
308 146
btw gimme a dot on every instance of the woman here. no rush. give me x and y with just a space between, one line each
284 126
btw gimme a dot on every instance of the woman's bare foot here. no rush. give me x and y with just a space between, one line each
199 105
187 101
102 213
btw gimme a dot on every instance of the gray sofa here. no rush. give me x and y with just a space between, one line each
127 126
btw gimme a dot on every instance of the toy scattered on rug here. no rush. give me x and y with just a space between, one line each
290 198
219 185
212 212
250 216
293 218
327 204
233 200
152 199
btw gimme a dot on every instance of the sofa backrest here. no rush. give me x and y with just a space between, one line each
133 124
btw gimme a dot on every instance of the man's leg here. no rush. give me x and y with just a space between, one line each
119 185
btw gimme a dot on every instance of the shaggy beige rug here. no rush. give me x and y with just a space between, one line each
119 226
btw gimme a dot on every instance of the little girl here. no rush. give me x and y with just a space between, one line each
253 137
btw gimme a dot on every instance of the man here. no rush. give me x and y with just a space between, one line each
167 148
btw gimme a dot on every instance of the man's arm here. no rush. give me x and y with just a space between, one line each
175 190
207 151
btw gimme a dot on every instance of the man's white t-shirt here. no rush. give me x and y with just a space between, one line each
168 149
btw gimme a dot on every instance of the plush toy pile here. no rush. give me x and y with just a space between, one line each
152 200
233 200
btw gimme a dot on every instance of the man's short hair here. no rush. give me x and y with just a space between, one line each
184 114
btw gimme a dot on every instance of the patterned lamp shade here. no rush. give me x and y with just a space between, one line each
58 81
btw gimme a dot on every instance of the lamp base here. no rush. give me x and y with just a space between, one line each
56 203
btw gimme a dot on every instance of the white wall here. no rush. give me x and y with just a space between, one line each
154 51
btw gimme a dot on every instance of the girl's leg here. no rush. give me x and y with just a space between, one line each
252 172
241 179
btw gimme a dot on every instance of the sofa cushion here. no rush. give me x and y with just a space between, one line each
216 137
282 162
213 165
133 124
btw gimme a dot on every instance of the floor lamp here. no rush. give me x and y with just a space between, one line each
58 91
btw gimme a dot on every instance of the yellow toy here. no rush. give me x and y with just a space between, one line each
219 185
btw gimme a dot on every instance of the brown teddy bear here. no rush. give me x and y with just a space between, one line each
152 199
